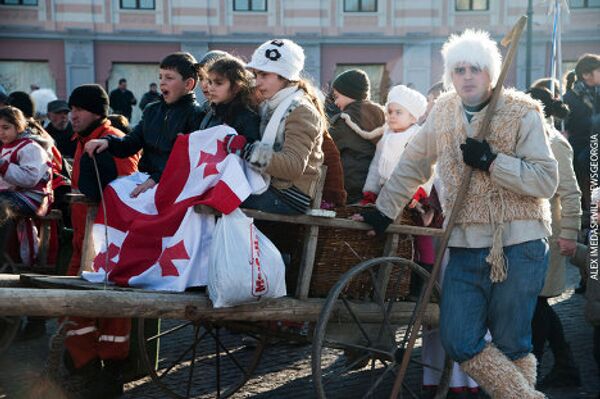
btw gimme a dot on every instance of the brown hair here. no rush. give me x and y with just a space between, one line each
119 122
546 83
184 63
569 79
587 63
311 92
234 70
552 107
14 116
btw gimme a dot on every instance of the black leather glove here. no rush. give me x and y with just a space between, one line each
377 220
477 154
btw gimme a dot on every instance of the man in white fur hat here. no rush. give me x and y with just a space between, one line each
498 249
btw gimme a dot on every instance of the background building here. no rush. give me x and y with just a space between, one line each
63 43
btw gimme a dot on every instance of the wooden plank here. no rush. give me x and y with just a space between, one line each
340 223
332 222
87 249
309 246
390 248
190 306
309 251
10 280
70 282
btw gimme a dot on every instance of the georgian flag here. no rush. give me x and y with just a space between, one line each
156 241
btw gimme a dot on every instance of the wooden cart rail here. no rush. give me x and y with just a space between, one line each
337 223
74 299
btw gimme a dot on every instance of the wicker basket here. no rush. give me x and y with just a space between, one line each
338 250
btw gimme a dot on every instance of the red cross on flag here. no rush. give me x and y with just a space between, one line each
156 241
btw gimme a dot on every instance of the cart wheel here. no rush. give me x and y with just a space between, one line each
199 359
9 326
357 354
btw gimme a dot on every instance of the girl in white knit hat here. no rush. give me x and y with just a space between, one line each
403 109
292 129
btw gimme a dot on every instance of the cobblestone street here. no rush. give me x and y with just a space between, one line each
285 370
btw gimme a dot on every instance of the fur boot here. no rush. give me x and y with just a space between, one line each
528 367
498 376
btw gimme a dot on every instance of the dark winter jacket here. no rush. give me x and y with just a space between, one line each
64 139
242 118
156 133
122 101
583 118
356 152
148 98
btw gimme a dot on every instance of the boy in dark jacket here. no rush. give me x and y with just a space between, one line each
177 112
354 130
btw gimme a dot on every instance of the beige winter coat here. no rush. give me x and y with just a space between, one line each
299 160
566 213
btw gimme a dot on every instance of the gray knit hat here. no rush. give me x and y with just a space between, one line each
212 55
353 83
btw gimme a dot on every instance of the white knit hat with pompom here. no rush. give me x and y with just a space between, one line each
280 56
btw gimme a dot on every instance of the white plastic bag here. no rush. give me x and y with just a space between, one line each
244 266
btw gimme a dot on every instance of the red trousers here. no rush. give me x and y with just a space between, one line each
106 339
88 339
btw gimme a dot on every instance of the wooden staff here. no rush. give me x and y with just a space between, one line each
512 39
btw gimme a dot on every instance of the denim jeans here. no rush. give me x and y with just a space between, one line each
269 201
471 303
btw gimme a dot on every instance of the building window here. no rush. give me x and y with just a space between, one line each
472 5
137 4
249 5
19 2
584 3
360 5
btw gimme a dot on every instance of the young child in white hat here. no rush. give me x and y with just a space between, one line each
403 109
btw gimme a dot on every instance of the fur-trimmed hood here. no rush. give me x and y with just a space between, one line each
367 135
357 114
46 142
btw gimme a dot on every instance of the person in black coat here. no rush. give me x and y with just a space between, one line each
229 89
60 128
122 100
152 95
177 112
583 98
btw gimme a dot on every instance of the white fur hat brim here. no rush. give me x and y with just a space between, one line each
412 100
280 56
473 47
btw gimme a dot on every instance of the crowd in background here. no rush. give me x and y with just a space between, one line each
48 145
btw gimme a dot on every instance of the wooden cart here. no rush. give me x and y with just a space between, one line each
356 339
